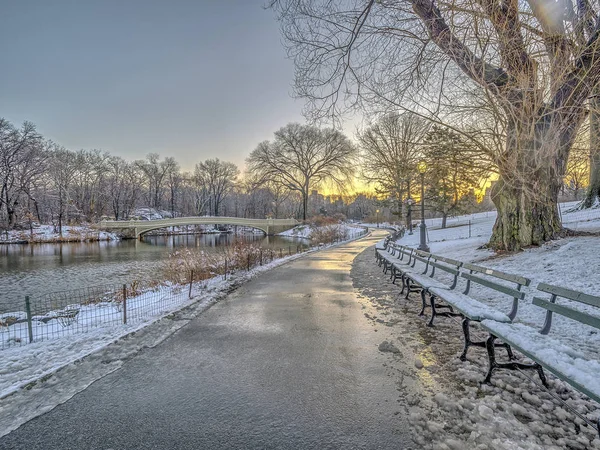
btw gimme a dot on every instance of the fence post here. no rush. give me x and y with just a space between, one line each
261 256
289 250
469 228
248 269
225 268
280 252
29 323
191 281
124 303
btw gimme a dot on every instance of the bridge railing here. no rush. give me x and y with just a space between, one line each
200 220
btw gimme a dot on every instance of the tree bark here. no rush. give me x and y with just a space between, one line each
527 215
304 204
444 219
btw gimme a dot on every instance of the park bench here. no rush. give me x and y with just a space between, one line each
380 247
470 309
548 352
422 282
405 260
390 256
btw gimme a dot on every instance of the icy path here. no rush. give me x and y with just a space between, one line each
286 361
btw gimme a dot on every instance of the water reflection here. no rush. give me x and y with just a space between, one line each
41 268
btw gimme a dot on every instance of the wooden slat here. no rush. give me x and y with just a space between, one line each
453 262
495 286
566 311
570 294
449 269
496 273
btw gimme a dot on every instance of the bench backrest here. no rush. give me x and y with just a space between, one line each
449 265
421 256
575 296
408 252
485 277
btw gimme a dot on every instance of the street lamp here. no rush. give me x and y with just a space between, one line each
377 218
409 202
422 168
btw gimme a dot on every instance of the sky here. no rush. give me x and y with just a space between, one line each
188 79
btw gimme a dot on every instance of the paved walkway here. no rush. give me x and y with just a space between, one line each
286 361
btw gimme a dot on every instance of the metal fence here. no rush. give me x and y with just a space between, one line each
74 311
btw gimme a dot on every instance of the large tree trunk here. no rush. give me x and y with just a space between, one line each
527 214
526 193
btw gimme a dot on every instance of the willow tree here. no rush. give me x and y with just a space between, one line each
536 62
303 157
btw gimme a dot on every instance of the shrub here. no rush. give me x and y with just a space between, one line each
329 233
204 265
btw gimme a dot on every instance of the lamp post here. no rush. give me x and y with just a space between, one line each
409 202
377 217
422 168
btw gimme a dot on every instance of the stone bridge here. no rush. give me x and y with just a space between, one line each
136 228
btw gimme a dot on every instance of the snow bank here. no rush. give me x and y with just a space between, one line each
49 233
305 231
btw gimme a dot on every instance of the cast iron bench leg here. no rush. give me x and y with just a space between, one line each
493 364
423 302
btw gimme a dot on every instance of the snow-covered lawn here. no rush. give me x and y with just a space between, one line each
48 233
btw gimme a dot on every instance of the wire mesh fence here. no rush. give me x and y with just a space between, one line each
60 314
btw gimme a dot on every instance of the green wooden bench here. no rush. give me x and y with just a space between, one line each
470 309
547 352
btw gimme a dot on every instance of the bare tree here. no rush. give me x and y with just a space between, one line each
592 197
155 172
62 172
174 181
219 178
455 168
578 168
534 61
302 157
19 152
390 150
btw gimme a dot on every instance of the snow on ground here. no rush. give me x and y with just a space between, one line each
50 367
447 406
304 231
570 262
49 233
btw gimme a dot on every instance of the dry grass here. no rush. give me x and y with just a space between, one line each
240 255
